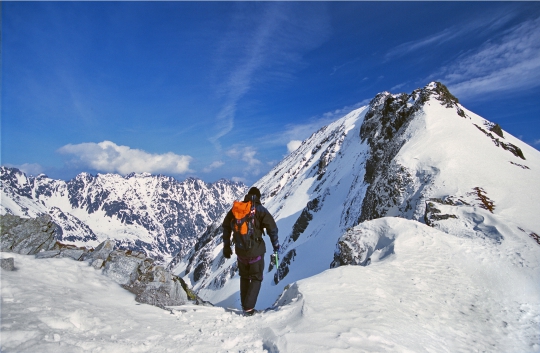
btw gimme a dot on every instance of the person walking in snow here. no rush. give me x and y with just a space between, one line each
247 221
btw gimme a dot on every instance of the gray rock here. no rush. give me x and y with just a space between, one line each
8 264
161 294
137 273
353 248
97 264
159 287
102 251
75 254
121 268
358 244
27 236
47 254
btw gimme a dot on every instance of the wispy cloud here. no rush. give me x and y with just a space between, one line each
510 63
339 67
247 155
270 50
299 132
107 156
459 30
212 166
28 168
536 142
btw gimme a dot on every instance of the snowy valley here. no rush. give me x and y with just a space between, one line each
433 209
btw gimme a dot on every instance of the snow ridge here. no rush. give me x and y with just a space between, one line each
399 156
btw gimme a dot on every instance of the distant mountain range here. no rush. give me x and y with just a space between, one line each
420 156
157 214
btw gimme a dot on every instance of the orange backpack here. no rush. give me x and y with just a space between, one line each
243 223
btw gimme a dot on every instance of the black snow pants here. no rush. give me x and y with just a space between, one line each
251 275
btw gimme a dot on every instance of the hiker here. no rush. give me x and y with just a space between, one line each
249 244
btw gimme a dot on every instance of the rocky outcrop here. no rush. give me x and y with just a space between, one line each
351 249
27 236
359 244
152 284
495 128
384 129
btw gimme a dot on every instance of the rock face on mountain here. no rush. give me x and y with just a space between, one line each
27 236
155 214
420 156
137 273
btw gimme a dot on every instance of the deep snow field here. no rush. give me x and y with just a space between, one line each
434 293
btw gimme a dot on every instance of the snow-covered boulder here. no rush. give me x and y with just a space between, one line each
359 243
160 288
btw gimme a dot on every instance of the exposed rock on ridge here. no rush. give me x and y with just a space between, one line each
384 129
151 283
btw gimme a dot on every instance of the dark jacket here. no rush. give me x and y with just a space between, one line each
263 220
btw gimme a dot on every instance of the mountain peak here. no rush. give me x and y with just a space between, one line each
388 159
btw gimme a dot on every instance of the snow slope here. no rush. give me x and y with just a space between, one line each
420 156
434 293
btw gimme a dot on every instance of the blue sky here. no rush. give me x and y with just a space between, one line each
223 89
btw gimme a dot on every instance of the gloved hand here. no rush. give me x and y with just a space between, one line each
227 252
277 249
274 258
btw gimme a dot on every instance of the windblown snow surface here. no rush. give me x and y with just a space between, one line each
434 293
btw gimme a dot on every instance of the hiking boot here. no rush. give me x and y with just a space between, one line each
250 312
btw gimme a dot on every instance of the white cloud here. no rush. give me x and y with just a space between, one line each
247 155
510 63
239 179
397 87
212 166
107 156
536 142
28 168
293 145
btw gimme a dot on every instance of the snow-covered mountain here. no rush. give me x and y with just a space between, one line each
157 214
420 156
438 206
